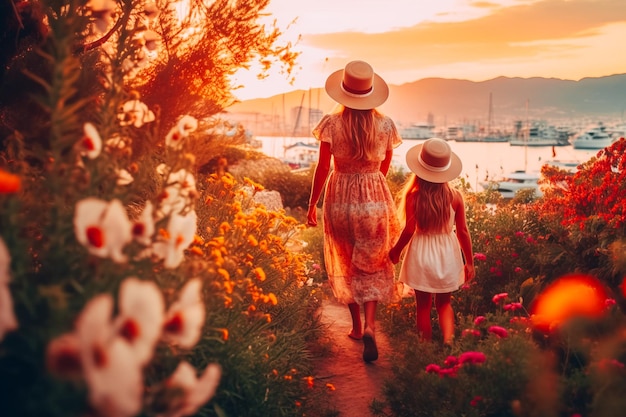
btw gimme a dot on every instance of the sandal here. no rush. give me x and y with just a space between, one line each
370 351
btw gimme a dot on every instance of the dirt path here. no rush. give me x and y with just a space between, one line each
357 383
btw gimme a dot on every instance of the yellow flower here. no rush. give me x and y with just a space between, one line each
224 334
252 240
260 274
223 273
272 299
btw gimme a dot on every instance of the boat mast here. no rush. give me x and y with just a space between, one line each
526 136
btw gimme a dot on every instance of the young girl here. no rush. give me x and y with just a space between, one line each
433 212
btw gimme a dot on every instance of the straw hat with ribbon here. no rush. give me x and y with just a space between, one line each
357 86
434 161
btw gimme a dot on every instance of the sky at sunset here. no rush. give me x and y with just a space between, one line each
407 40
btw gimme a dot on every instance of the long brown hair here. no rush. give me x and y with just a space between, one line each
432 203
362 126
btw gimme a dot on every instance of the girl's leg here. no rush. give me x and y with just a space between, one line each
355 313
423 305
446 316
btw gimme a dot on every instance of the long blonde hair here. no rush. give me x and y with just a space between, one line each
432 203
362 127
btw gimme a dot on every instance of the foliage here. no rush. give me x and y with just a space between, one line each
191 73
99 191
520 247
587 212
500 367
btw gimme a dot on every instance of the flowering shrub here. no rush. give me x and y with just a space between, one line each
129 284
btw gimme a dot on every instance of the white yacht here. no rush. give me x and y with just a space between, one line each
510 184
594 137
542 135
417 131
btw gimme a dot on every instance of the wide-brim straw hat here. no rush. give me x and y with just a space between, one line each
434 161
357 86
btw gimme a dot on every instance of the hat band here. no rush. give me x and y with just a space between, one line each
356 93
432 168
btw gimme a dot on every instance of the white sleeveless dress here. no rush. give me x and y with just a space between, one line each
433 262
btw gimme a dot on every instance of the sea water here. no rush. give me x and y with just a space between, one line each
482 161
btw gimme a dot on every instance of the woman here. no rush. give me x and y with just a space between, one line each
359 215
436 233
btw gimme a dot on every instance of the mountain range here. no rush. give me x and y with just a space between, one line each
445 101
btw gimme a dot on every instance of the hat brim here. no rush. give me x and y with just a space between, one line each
379 94
413 162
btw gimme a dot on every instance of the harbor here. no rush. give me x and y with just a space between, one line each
482 161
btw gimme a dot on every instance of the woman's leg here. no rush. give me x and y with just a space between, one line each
423 305
370 314
370 350
446 316
355 313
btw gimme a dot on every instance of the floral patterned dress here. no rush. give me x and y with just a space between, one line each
359 217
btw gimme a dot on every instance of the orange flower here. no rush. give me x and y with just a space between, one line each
568 297
9 183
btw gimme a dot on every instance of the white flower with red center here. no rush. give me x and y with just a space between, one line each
178 133
8 321
184 180
111 370
143 228
140 318
102 227
63 356
123 177
178 193
170 245
194 392
188 124
90 144
185 317
136 113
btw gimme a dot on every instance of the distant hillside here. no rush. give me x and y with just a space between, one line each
455 101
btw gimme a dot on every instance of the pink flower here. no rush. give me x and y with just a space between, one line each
514 255
476 400
451 372
472 358
185 317
478 320
480 256
433 368
513 306
140 319
499 297
519 234
471 332
517 269
450 361
498 331
188 391
609 302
